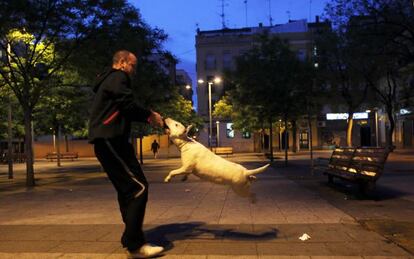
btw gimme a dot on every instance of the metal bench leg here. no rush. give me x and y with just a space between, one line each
367 187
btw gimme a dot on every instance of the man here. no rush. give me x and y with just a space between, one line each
113 110
154 147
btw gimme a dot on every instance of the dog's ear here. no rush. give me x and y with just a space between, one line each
188 129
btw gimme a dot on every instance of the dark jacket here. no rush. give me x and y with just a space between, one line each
114 107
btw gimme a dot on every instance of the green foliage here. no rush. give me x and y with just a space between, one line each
223 109
53 48
377 44
122 27
17 116
265 83
182 110
65 106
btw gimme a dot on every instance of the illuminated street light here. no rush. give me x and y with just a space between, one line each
216 80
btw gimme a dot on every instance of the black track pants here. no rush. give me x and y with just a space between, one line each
119 162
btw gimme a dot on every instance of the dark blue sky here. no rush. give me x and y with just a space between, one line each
179 19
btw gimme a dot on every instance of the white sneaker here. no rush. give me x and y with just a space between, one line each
146 251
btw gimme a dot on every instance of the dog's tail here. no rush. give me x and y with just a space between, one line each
257 170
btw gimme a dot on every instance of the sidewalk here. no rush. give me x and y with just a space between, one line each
72 213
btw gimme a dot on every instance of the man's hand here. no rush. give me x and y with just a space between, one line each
155 119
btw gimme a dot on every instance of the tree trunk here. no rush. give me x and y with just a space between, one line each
390 132
271 140
286 141
28 148
140 151
66 143
134 145
294 143
10 142
310 142
58 146
349 129
262 140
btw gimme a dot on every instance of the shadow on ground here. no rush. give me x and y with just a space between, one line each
165 235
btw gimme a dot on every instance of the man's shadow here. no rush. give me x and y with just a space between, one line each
165 235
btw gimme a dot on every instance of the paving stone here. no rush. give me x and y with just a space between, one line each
85 247
292 249
221 248
27 246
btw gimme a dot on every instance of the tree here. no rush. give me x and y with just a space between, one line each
339 57
64 109
38 38
265 82
41 37
383 39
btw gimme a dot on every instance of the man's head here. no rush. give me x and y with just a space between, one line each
125 61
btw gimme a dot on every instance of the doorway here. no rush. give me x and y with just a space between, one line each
408 132
365 136
304 140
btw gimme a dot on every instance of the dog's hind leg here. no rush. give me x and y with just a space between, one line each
182 170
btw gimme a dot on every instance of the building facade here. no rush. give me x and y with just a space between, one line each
217 51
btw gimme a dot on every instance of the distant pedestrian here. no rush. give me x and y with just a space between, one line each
113 110
154 147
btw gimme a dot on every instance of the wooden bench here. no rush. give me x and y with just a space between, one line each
223 150
362 165
67 155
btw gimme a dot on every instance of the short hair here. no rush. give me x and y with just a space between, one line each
121 55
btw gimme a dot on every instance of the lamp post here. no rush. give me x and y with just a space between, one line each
210 83
375 110
218 133
376 127
9 124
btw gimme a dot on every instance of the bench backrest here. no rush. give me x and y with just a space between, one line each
222 149
341 158
364 161
369 161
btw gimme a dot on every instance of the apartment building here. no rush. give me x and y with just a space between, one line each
216 51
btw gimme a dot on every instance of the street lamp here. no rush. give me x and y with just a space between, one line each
216 80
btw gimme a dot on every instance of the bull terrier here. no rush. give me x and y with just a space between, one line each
200 161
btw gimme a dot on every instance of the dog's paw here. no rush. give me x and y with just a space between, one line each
167 179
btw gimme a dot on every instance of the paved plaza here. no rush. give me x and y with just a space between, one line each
72 213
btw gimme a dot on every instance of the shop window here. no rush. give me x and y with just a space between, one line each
229 130
246 134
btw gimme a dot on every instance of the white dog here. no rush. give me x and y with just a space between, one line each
200 161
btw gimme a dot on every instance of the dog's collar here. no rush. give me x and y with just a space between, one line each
180 146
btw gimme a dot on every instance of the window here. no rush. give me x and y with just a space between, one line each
227 60
301 54
246 134
210 62
229 130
